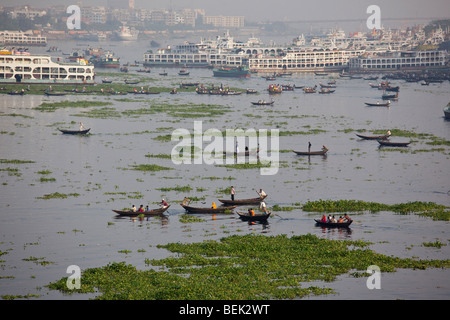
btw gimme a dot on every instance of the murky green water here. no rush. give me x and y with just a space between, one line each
82 229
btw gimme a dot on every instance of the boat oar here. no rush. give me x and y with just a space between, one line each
275 214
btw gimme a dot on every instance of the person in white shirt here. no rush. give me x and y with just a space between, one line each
261 193
262 206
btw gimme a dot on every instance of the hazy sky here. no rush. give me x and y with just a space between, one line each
256 10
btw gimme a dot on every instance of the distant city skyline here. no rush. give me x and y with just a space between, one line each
281 10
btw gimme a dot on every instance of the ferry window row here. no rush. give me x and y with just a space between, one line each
402 60
289 66
24 60
397 66
46 70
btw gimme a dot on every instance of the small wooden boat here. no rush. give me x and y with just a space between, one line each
287 87
16 93
106 81
154 212
333 224
327 86
251 91
319 73
312 153
378 104
392 144
447 112
372 137
263 103
310 89
55 94
183 72
389 96
394 89
242 202
131 81
325 91
74 131
222 209
256 217
242 153
163 73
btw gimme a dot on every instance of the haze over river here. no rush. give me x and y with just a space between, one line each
82 230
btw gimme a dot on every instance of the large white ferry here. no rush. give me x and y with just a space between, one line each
22 67
126 33
21 38
399 61
221 51
299 60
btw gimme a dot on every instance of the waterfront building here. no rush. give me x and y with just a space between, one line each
224 21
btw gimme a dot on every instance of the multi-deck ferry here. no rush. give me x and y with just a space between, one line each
303 60
22 67
21 38
399 61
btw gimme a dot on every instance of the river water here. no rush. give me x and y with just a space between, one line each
41 238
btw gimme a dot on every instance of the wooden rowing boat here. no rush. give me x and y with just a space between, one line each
263 103
154 212
372 137
74 131
378 104
207 210
242 201
243 153
393 144
333 224
312 153
55 94
127 81
257 217
325 91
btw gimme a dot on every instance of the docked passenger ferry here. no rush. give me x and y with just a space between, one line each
22 38
399 61
23 67
299 60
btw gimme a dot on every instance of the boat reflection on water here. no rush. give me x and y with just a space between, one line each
342 232
264 225
164 219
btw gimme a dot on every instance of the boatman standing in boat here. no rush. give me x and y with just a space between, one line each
262 206
309 147
81 126
261 193
233 192
163 204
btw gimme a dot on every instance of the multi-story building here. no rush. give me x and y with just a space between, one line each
26 12
224 21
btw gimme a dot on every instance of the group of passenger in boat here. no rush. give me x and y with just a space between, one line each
332 219
163 204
